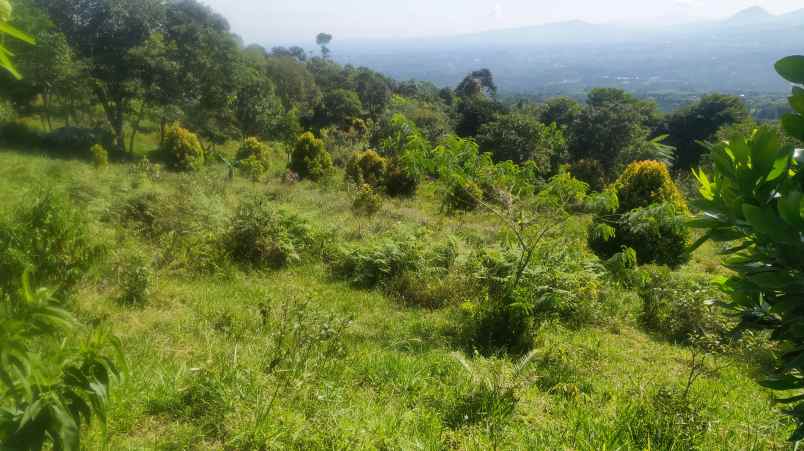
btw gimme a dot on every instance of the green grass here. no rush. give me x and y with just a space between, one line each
370 373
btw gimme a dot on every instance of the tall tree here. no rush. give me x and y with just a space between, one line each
479 82
323 40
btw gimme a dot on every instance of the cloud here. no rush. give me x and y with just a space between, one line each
497 11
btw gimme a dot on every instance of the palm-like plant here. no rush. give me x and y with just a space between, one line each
7 30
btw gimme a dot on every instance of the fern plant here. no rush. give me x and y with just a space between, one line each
50 384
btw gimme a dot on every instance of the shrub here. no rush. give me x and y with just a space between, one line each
253 158
367 202
135 278
367 167
399 182
19 134
377 263
644 183
253 168
591 172
50 237
462 195
262 236
100 156
562 191
657 233
182 150
309 159
680 306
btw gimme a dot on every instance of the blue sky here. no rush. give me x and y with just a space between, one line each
272 22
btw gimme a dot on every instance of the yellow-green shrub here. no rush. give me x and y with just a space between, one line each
253 147
644 183
367 202
100 156
464 195
182 149
309 158
367 167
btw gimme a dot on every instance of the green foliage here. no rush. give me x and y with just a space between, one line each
665 420
309 158
100 156
262 236
367 202
519 137
367 167
562 192
399 182
462 195
135 278
182 150
680 306
590 172
51 382
50 237
8 30
253 158
658 234
474 112
644 183
753 200
376 263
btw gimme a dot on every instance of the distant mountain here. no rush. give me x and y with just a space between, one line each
732 55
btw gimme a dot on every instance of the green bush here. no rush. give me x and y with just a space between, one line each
591 172
367 202
644 183
377 263
680 306
100 156
49 236
367 167
399 182
562 191
309 158
135 278
658 234
262 236
182 150
462 195
76 140
253 159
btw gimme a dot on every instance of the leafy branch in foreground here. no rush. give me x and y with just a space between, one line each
7 30
49 383
752 202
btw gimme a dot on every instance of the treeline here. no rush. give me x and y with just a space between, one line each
132 67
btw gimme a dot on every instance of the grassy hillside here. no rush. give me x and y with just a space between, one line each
226 356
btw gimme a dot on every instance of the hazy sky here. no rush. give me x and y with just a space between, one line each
271 22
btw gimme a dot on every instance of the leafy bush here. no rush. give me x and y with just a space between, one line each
680 306
591 172
50 237
367 167
658 234
644 183
309 159
562 191
367 202
754 201
262 236
18 134
135 278
253 158
399 182
51 382
182 150
100 156
462 195
376 263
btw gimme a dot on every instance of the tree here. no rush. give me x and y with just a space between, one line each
474 112
295 84
519 137
103 33
477 83
323 40
561 111
373 91
256 108
340 107
293 52
699 122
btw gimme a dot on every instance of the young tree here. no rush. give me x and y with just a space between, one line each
519 137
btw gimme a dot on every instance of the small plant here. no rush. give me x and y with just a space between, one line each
51 381
253 168
49 234
492 398
309 159
399 182
367 202
100 156
135 278
562 191
182 149
262 236
368 168
462 195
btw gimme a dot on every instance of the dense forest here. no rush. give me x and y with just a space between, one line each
206 244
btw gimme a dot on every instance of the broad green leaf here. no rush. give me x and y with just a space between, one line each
793 125
791 69
764 150
790 208
764 221
739 148
17 34
781 165
797 100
